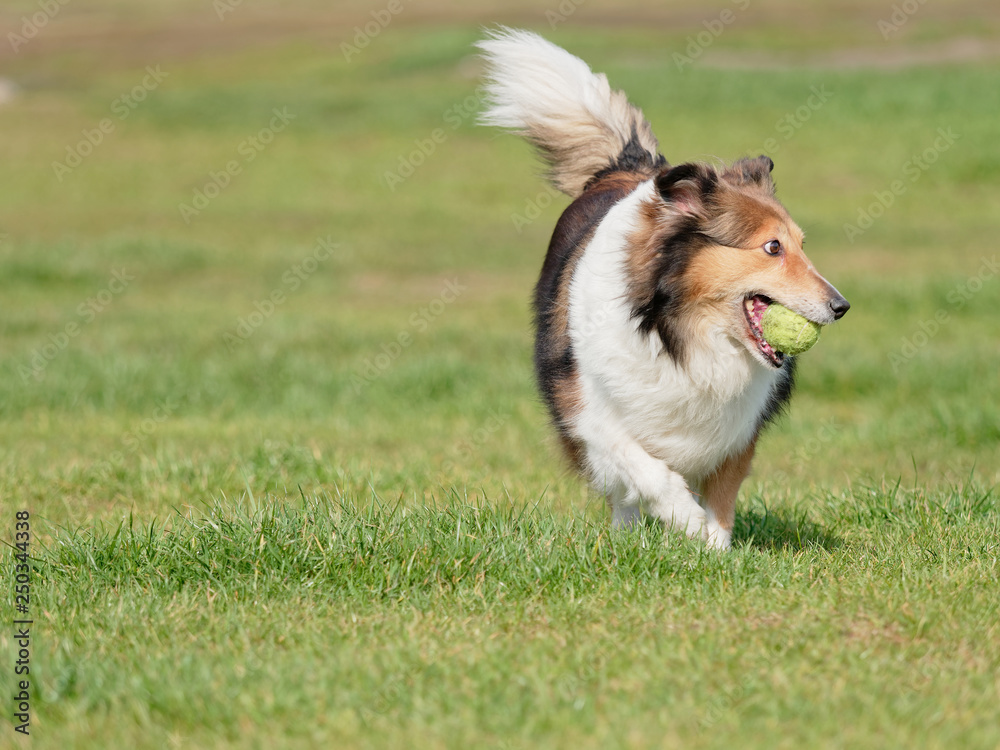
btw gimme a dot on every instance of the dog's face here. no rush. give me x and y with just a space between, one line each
723 249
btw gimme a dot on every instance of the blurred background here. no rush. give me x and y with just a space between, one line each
253 246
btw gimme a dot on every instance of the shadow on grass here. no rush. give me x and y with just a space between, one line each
765 528
784 529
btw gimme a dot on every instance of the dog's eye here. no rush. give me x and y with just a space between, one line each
772 247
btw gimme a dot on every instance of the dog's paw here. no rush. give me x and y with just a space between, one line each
717 537
690 519
626 517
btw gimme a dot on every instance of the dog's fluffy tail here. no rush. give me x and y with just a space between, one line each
578 124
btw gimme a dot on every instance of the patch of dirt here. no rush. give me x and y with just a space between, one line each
883 57
123 33
868 632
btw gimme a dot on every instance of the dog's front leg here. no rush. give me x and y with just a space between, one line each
636 481
719 496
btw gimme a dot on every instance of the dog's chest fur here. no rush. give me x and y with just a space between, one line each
691 415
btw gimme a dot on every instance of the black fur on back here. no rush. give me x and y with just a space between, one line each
632 158
553 351
554 361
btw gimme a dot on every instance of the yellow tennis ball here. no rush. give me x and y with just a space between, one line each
787 331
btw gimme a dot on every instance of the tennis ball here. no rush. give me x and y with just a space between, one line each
787 331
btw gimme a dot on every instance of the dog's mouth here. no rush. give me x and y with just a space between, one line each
754 307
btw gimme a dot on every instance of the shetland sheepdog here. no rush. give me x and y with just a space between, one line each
649 352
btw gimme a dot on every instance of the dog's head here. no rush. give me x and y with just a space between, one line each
716 247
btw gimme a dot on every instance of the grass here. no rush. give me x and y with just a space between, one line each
324 622
322 536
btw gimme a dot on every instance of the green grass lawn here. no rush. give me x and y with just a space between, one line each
267 394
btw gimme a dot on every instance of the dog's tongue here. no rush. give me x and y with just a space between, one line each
759 307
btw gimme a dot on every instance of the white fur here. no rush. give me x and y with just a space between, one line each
653 430
543 92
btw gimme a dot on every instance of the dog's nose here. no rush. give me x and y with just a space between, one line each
840 306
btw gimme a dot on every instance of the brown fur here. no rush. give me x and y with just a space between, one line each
717 270
720 490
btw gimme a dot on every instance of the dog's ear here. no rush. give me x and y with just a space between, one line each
687 187
749 171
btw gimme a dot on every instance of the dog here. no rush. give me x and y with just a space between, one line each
648 352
